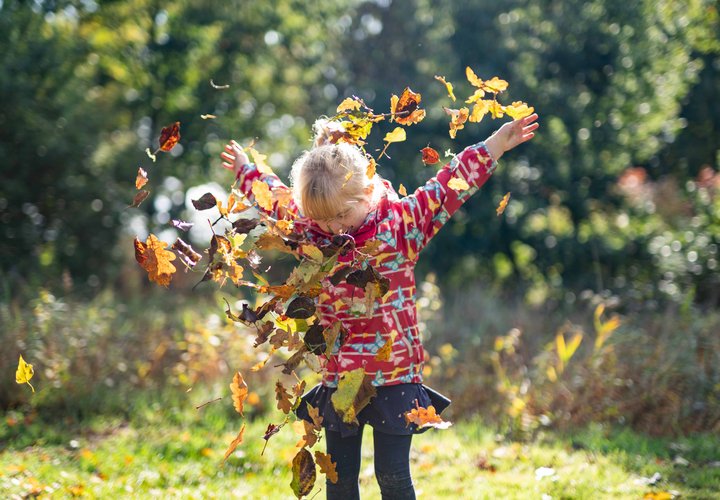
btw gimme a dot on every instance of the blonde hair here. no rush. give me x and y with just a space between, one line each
329 180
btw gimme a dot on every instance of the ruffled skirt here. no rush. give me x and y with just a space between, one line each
385 412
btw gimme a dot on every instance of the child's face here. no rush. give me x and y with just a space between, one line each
347 222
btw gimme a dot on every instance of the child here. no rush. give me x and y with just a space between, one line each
329 202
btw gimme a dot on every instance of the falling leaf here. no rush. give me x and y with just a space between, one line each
189 256
141 178
518 109
239 392
476 97
181 224
327 467
312 252
458 117
371 168
314 339
234 444
397 135
283 398
208 117
479 110
153 257
425 417
385 351
429 156
497 110
503 204
205 202
495 85
315 416
300 308
349 104
458 184
402 190
24 373
262 194
169 136
219 87
150 154
405 109
260 161
448 86
303 470
474 80
354 392
139 198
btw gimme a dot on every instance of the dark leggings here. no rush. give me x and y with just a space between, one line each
392 465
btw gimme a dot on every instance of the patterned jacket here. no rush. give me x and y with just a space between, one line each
403 226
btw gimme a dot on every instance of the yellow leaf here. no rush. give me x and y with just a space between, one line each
370 171
458 117
153 257
495 85
262 194
474 80
234 444
239 392
397 135
259 161
480 109
393 106
208 117
448 86
348 104
24 373
476 97
303 471
385 351
518 109
497 110
402 190
312 252
458 184
327 466
503 204
344 397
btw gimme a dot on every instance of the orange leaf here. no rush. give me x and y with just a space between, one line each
370 171
235 442
153 257
402 190
430 156
327 467
426 417
282 397
349 104
239 392
448 86
458 117
503 204
262 194
407 111
169 136
315 416
141 178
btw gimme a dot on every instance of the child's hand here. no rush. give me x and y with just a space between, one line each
511 134
234 157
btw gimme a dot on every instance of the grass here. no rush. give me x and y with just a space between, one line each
168 452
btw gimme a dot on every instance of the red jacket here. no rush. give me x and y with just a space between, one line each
404 226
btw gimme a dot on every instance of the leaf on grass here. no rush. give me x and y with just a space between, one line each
448 86
139 198
425 417
239 392
262 194
205 202
458 184
303 470
283 398
503 204
405 109
169 136
24 373
327 466
234 444
141 178
153 257
430 156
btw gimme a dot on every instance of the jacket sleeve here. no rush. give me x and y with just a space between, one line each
421 214
284 208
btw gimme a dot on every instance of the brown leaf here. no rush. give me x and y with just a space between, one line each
327 467
234 444
239 392
300 308
205 202
139 198
153 257
189 256
315 416
169 136
430 156
406 110
283 398
314 339
141 178
303 469
299 388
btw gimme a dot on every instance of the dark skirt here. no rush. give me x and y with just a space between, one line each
385 412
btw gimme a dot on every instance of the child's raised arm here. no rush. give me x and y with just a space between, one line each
235 159
424 212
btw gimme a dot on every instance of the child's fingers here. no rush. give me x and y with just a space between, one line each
229 166
227 156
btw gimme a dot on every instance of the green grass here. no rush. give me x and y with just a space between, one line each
172 453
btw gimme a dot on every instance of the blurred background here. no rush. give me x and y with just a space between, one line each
595 297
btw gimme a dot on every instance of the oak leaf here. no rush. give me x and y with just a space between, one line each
348 104
234 444
448 86
327 467
239 392
405 110
153 257
458 117
425 417
262 194
518 109
397 135
283 398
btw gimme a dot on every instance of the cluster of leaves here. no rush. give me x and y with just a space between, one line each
286 318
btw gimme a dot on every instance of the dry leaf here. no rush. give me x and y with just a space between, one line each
327 467
402 190
234 444
429 156
283 398
503 204
448 86
153 257
24 373
426 417
141 178
239 392
169 136
262 194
